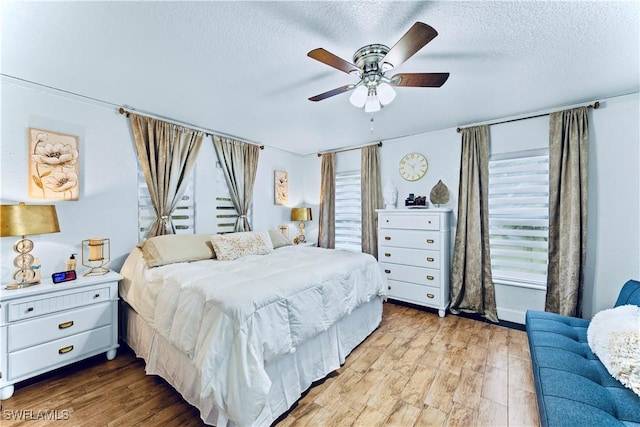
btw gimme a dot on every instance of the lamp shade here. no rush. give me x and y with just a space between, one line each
385 93
359 96
301 214
23 220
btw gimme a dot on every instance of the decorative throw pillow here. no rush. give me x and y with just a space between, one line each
614 336
278 240
235 245
171 248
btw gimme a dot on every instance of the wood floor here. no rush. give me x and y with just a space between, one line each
416 369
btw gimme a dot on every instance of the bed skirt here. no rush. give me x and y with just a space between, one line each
290 375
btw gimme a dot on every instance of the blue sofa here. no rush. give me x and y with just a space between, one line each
572 385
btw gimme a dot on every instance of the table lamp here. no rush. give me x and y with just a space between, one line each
23 220
301 214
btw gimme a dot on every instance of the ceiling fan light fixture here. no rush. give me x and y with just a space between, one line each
358 97
386 93
373 103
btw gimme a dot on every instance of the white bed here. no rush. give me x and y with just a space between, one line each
242 340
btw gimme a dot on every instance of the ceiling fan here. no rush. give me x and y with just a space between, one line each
373 61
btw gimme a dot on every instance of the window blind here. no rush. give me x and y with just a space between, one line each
183 217
348 224
519 217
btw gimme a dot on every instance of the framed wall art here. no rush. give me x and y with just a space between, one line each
53 165
281 187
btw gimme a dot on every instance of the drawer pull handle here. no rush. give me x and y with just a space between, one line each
430 259
96 296
430 241
429 277
29 309
387 238
431 296
387 271
387 254
65 350
65 325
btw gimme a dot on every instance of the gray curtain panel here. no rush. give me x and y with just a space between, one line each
239 162
371 197
568 152
472 288
327 221
167 153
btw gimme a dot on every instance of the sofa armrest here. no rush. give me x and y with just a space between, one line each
629 294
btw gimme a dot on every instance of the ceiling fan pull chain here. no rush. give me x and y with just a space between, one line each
371 122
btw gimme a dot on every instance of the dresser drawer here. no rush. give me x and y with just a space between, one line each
58 352
60 325
407 273
27 309
423 295
415 257
415 239
424 221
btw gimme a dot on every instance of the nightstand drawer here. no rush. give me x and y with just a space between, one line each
415 239
407 273
415 257
21 309
424 295
58 352
415 221
60 325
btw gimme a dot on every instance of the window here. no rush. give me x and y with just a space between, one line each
348 211
184 216
519 217
226 214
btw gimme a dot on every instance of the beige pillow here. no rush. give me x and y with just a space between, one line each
278 240
235 245
171 248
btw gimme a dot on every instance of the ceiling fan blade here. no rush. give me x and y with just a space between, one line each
413 40
419 79
329 94
332 60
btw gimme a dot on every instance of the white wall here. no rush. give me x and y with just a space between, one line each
108 203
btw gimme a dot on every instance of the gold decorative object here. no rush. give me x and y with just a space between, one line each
21 220
284 229
301 214
439 194
96 253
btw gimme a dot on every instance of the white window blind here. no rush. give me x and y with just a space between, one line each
348 211
183 217
519 217
226 213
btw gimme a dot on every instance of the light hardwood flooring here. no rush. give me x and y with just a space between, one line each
416 369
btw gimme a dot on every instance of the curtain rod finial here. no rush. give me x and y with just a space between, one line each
596 105
458 130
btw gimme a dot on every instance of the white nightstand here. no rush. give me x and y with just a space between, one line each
47 326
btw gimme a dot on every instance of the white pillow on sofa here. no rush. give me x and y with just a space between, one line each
614 336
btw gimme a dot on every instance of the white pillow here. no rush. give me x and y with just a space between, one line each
278 239
235 245
614 336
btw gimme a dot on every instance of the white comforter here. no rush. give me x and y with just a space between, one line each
232 317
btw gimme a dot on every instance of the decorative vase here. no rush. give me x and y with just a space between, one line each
390 195
439 194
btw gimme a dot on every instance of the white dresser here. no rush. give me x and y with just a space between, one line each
47 326
413 250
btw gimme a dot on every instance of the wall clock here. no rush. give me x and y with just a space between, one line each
413 166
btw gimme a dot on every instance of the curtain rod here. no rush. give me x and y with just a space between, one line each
125 111
595 106
379 144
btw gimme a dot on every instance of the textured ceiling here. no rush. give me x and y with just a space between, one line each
241 68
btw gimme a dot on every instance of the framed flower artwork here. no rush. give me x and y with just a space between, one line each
281 187
53 165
